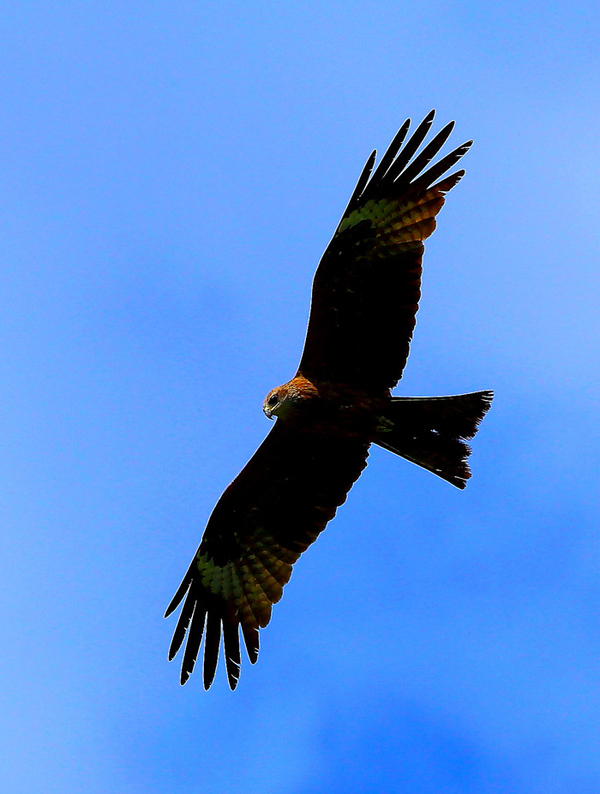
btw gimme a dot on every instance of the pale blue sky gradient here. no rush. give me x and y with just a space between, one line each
170 174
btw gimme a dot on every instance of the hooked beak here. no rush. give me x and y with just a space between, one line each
269 414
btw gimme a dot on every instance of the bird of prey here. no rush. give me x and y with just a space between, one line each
365 298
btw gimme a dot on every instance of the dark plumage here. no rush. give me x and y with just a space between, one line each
365 298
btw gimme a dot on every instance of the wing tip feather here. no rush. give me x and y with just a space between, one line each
212 645
178 597
251 637
402 167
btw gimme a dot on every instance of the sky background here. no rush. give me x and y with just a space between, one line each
170 173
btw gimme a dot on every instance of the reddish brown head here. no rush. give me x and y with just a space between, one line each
285 400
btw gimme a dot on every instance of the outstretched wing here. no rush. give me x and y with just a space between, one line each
269 515
368 284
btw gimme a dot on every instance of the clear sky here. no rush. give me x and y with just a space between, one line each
170 173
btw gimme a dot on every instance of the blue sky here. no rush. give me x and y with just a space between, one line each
170 175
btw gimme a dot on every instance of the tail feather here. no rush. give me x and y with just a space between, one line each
432 431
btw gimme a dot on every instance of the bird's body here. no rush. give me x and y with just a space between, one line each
364 303
325 407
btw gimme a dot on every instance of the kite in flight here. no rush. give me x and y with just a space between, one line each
364 301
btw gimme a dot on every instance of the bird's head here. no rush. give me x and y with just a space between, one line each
285 400
277 402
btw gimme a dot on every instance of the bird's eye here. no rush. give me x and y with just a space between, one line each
273 399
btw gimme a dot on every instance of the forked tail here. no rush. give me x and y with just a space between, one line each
432 431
